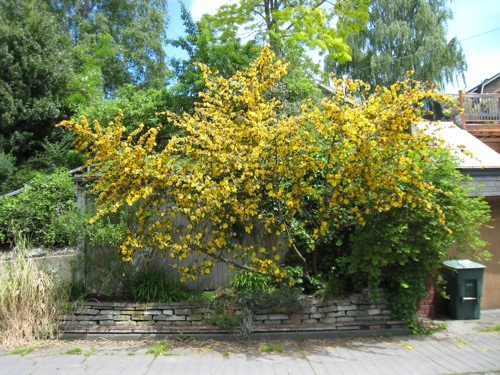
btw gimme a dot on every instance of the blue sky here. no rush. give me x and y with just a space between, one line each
476 23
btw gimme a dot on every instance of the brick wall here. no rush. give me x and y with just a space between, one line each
354 313
426 306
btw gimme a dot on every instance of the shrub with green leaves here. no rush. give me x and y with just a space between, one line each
157 286
224 314
402 250
32 212
7 168
99 268
255 292
248 282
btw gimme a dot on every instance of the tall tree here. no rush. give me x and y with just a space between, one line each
217 44
297 25
138 33
202 46
401 36
33 75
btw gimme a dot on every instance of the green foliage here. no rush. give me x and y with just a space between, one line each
425 326
203 46
17 179
33 211
250 282
77 291
295 26
329 283
490 329
7 169
140 107
123 40
224 313
98 269
52 153
256 293
157 286
88 60
403 36
33 75
56 151
401 250
22 351
103 275
74 351
297 88
227 56
159 348
275 347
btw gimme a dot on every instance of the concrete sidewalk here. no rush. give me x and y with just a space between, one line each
462 349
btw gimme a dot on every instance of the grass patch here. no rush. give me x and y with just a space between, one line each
22 351
276 347
160 348
303 353
74 351
490 329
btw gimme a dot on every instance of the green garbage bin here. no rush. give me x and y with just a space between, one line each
464 286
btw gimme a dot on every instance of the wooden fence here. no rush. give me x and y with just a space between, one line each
221 273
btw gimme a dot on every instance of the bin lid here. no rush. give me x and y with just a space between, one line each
463 264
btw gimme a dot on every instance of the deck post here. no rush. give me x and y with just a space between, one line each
461 98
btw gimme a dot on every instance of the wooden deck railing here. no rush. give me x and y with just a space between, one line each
480 109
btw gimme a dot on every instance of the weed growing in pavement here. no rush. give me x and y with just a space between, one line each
74 351
276 347
185 337
490 329
89 353
303 353
160 348
22 351
425 326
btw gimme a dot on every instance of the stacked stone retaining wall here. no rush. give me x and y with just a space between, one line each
356 313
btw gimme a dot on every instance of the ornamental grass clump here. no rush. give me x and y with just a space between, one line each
30 299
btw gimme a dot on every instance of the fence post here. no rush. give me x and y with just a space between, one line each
461 98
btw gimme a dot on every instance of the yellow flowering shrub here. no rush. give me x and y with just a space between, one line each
239 170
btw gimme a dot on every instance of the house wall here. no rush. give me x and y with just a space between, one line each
494 144
492 87
491 286
491 282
